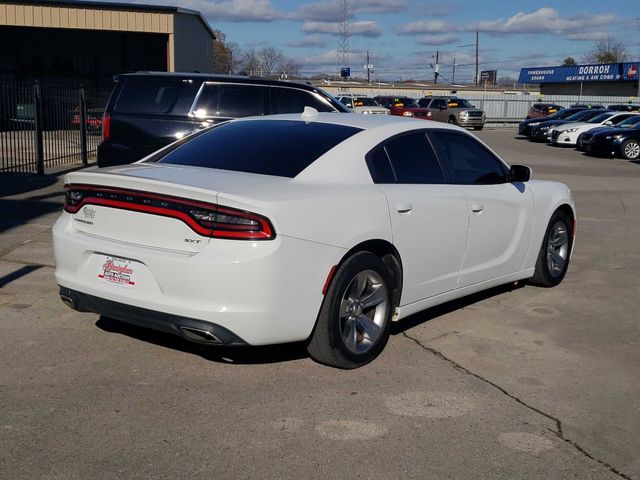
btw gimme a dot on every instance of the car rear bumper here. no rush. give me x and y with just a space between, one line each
261 292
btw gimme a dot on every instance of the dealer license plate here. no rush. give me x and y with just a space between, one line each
117 271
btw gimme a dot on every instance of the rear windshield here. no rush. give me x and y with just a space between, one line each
149 94
283 148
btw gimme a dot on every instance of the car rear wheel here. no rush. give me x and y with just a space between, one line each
630 149
353 324
553 258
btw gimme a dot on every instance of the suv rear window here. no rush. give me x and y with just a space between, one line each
283 148
155 95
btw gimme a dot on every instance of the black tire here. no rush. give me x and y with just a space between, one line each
478 128
327 344
452 120
545 275
633 145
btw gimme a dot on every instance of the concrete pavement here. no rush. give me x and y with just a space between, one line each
514 383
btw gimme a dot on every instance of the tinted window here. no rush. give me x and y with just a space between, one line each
290 100
469 161
379 166
413 160
268 147
155 95
231 101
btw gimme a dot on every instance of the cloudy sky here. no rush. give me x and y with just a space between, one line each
403 35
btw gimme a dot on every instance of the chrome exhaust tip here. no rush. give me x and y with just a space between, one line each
68 301
199 336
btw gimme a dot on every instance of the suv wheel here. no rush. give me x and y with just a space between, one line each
452 120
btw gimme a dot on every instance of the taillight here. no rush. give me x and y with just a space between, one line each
206 219
106 126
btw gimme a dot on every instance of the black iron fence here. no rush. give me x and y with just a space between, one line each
44 126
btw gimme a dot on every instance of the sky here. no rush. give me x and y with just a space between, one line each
403 36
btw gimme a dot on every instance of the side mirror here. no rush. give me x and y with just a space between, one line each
519 173
608 122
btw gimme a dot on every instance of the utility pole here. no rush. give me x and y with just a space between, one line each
477 55
453 77
436 68
368 68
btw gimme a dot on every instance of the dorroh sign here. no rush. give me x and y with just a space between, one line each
605 72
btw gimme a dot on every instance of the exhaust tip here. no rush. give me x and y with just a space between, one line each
68 301
199 336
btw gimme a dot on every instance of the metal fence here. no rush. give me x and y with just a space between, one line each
45 126
513 108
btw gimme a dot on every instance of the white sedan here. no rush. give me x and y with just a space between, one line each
316 227
568 133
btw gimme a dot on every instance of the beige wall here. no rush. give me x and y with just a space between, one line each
85 18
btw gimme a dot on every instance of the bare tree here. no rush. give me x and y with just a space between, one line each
607 50
270 59
289 68
343 30
250 63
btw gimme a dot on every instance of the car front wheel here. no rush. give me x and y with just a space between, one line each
631 149
553 258
353 324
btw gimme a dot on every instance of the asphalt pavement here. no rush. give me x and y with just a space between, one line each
518 382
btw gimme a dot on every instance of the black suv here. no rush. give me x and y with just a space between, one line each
147 111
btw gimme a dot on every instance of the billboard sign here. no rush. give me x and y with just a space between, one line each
345 72
606 72
488 76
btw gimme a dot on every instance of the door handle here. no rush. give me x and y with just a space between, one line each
404 208
477 208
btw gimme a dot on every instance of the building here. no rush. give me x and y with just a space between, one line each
89 41
612 79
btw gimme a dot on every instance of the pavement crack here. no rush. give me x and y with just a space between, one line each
558 423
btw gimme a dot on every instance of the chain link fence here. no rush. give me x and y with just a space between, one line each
45 126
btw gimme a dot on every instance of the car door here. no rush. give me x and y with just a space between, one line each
439 110
429 218
501 213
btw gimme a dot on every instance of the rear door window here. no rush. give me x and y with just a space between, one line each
468 161
155 95
268 147
410 159
229 100
291 100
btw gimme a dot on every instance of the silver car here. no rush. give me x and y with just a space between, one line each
454 110
364 105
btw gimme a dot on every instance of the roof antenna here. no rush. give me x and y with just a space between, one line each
309 112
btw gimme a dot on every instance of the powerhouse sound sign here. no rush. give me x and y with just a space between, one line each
580 73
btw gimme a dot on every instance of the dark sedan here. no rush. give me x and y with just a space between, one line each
542 131
524 128
622 140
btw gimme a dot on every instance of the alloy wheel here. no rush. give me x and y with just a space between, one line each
363 311
632 150
557 249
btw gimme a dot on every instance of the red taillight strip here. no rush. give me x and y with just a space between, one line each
221 230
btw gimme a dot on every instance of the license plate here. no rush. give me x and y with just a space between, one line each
117 271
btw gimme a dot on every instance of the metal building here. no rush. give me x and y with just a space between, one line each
91 41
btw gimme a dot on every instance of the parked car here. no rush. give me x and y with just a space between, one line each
624 108
591 106
403 107
542 131
364 105
538 110
568 134
525 126
623 140
93 119
457 111
148 111
227 238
